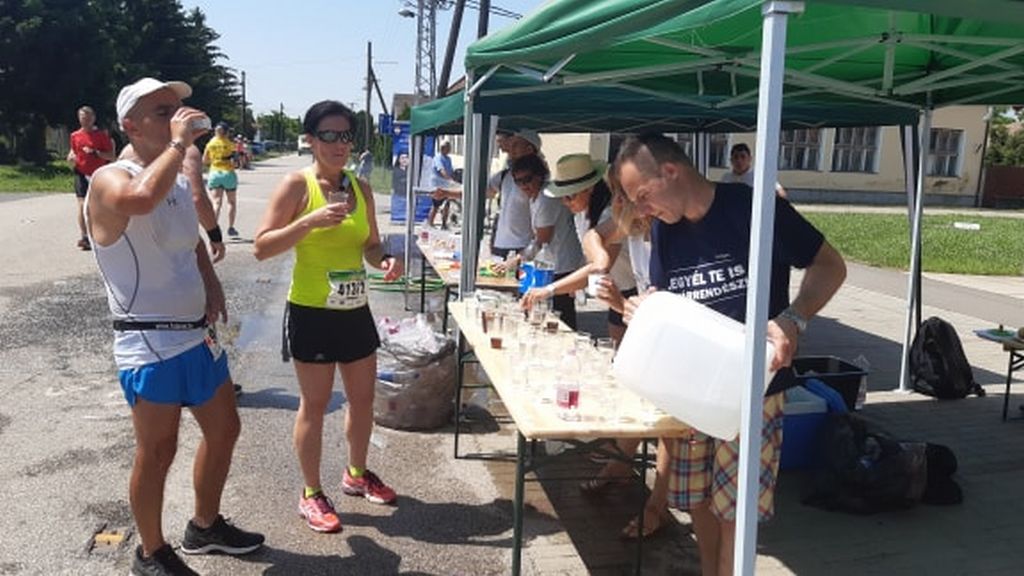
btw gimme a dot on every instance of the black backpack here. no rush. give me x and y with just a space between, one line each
864 470
938 366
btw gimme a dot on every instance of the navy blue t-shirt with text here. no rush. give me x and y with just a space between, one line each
707 260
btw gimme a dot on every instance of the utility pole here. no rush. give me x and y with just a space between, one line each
369 91
485 18
449 53
242 122
280 129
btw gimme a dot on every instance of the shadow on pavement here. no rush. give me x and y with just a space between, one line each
282 399
447 522
367 557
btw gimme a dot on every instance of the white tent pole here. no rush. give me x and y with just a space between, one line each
411 182
470 230
915 244
769 114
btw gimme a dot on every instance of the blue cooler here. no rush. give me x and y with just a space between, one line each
805 413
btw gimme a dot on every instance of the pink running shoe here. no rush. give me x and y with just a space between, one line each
369 486
318 510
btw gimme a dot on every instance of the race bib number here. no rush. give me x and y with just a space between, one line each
348 289
211 342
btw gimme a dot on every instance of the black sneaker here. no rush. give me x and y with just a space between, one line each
163 562
219 537
232 231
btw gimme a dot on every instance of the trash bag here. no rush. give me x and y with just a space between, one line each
415 376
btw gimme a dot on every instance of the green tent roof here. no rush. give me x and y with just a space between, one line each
870 51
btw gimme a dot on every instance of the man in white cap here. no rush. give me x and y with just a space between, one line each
514 230
443 181
163 294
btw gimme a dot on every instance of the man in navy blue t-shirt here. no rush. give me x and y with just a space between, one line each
700 243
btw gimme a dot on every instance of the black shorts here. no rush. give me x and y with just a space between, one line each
81 184
437 203
323 336
614 318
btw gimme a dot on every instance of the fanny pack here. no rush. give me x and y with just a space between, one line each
133 325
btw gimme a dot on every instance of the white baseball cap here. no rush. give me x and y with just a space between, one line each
132 93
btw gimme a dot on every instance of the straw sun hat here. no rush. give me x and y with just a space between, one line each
573 173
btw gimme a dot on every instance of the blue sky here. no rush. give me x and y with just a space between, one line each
299 52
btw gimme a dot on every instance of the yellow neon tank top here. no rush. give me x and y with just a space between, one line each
327 249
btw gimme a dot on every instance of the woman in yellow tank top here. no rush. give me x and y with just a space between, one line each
327 215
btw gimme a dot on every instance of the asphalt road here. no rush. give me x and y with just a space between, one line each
67 444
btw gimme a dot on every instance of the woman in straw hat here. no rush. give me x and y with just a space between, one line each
579 184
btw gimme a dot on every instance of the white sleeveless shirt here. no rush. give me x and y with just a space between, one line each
151 274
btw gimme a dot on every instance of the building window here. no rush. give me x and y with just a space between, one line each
800 149
855 150
944 152
719 151
685 141
719 144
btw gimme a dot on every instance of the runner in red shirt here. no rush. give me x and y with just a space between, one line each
90 149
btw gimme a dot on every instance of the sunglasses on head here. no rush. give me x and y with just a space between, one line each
332 136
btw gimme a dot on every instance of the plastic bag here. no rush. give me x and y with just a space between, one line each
415 376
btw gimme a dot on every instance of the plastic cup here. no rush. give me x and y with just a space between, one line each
593 282
337 197
552 321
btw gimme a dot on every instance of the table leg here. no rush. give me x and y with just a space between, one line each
643 507
1009 378
444 319
423 282
517 506
460 371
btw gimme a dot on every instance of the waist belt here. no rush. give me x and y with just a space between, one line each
131 325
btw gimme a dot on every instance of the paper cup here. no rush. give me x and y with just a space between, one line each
593 281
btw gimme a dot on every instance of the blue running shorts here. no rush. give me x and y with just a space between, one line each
222 179
188 379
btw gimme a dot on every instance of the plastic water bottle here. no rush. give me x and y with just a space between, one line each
544 267
567 387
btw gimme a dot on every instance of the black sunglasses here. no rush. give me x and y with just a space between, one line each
332 136
524 180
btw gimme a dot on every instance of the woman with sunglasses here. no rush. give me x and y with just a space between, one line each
579 185
327 214
553 226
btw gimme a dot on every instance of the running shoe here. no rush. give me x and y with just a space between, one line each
221 536
369 486
84 244
232 231
318 510
163 562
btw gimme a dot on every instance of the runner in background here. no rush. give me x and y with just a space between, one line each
90 149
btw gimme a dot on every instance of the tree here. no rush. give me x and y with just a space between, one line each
57 55
1005 145
278 126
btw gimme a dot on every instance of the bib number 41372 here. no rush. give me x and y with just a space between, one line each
348 289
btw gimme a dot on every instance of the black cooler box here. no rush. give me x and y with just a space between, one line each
837 373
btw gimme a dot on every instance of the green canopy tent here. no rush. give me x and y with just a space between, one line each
725 54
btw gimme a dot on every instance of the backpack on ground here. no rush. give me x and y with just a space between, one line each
938 365
865 470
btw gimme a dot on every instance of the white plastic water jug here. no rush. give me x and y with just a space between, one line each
687 360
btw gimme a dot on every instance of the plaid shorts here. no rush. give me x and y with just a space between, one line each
704 467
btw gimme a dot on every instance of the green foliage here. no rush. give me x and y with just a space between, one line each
280 127
57 55
884 240
52 177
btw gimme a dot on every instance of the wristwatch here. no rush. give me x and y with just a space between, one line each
793 316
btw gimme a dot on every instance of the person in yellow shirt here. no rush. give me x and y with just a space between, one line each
218 155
